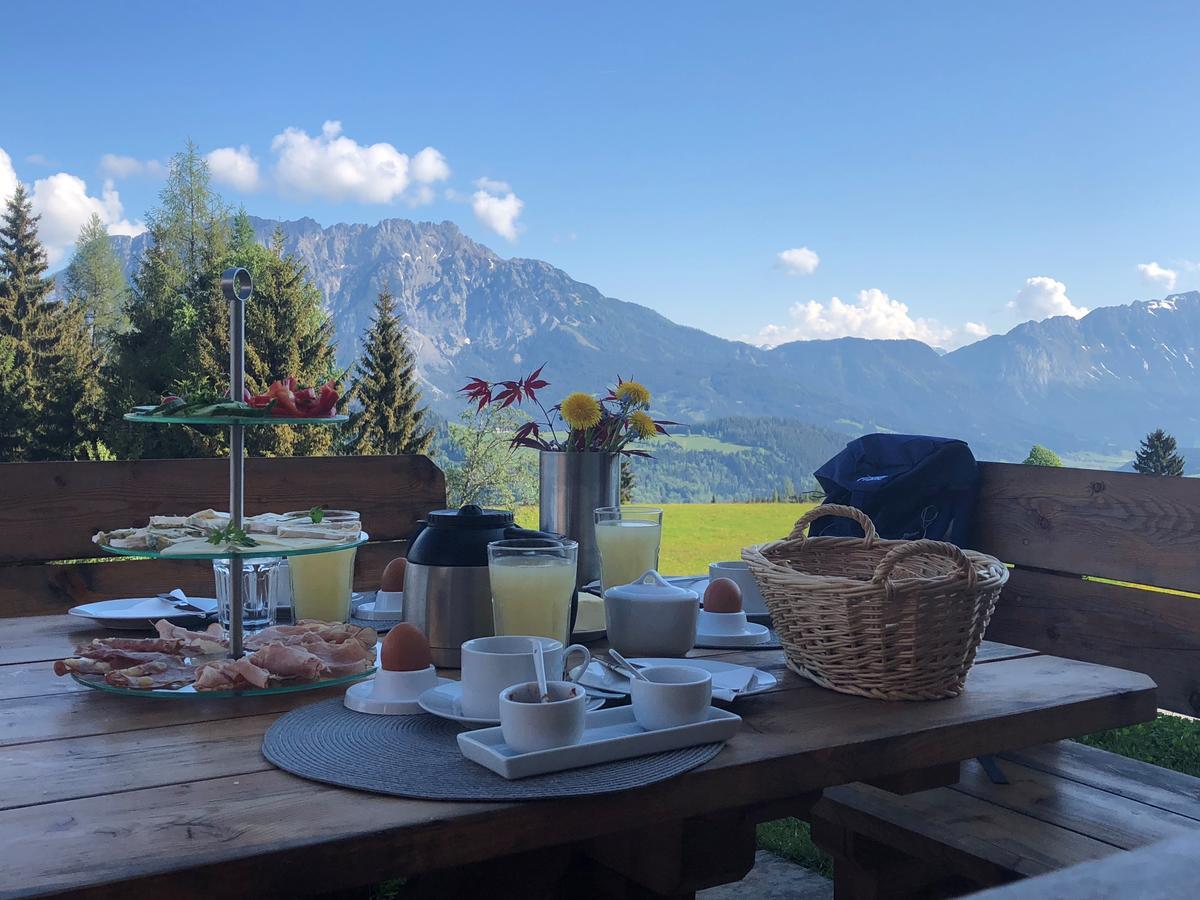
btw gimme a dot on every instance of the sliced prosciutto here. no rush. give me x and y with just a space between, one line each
231 674
166 672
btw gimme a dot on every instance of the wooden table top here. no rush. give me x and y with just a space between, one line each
106 796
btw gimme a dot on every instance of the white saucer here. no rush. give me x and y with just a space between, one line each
445 701
751 636
359 699
597 676
137 613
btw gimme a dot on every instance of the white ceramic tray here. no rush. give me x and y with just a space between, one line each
608 735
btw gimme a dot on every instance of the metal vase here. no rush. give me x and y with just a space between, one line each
572 486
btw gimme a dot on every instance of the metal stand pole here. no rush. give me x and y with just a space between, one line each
237 286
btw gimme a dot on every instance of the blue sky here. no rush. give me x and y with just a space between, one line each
948 163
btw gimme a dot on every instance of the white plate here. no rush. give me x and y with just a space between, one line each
359 698
445 701
608 735
597 676
135 612
751 636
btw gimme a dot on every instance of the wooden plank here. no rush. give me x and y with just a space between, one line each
1147 631
1117 525
50 510
44 589
1069 805
1130 778
1163 871
35 679
958 833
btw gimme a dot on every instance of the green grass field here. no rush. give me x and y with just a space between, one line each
695 534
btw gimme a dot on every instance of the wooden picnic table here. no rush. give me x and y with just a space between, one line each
111 796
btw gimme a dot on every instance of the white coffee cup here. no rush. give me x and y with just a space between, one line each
738 571
529 725
670 696
490 664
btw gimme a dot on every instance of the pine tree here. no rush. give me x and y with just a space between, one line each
287 333
384 392
627 481
69 386
1042 456
95 279
24 290
179 322
1157 455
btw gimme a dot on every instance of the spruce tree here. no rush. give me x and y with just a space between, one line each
1157 455
287 333
96 280
24 290
179 322
70 389
387 418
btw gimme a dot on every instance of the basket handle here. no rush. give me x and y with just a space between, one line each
883 571
833 509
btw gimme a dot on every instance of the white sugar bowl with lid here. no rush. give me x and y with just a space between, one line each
651 617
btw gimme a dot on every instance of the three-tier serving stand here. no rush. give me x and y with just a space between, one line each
237 287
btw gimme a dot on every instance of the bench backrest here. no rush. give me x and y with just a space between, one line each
1057 525
49 512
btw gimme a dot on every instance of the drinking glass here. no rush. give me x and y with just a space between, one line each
260 592
628 539
322 585
533 584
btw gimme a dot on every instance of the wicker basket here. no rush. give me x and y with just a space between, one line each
893 620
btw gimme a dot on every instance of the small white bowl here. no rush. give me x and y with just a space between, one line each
529 725
733 623
671 696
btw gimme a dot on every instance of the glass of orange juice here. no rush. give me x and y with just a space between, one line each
533 583
628 539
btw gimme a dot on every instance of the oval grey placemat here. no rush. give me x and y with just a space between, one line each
418 757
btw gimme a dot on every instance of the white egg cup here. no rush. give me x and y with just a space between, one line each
725 624
670 696
392 693
387 606
529 725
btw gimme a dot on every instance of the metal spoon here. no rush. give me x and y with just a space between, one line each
622 661
539 667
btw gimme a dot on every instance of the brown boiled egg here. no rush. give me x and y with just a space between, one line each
393 575
405 649
722 596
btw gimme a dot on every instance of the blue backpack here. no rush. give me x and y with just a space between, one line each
910 485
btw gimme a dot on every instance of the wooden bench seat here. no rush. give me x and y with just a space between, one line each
1066 803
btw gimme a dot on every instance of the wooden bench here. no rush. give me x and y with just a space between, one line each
48 512
1065 803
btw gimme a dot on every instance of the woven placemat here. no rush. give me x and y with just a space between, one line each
418 757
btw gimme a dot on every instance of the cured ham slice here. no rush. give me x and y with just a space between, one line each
285 661
166 672
195 643
81 666
231 674
172 647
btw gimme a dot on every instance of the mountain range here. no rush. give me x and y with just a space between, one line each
1093 385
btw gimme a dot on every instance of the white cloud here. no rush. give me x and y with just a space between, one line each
1043 297
497 207
114 165
1156 274
429 166
492 186
38 159
236 167
64 204
336 167
8 177
423 195
872 315
799 261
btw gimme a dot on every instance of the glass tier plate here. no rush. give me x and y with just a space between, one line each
231 420
97 682
249 552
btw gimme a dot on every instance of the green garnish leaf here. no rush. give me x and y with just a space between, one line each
316 514
230 536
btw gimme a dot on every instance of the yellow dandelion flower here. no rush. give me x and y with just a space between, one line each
581 411
633 393
642 424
